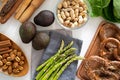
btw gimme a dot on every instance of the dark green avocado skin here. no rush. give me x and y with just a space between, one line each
27 31
44 18
40 41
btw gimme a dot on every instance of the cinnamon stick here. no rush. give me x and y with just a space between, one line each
5 43
7 51
4 49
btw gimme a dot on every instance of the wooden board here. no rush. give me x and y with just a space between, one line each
14 46
10 13
92 50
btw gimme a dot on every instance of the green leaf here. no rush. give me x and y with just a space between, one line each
96 12
107 12
116 5
99 3
93 10
95 6
118 20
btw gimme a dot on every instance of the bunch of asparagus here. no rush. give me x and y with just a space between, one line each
54 66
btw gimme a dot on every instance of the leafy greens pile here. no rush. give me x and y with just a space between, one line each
108 9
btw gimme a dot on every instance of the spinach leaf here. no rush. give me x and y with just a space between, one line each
96 7
108 9
107 12
93 10
96 12
99 3
118 20
116 4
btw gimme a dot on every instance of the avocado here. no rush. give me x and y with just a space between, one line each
27 31
40 41
44 18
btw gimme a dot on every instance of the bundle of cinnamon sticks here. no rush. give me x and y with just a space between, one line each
23 9
26 9
5 46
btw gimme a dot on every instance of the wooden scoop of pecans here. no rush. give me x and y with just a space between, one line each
11 60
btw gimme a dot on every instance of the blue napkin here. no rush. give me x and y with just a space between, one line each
53 46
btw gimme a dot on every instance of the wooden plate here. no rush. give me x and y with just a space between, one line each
7 16
16 47
92 50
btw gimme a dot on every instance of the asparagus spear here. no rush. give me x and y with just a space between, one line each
54 74
51 74
61 46
42 65
45 70
66 53
40 76
56 55
57 66
65 66
61 57
68 46
42 71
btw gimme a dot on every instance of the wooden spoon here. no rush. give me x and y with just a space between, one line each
16 47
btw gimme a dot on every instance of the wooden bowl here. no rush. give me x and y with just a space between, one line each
16 47
93 50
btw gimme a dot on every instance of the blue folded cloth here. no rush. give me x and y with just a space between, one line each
53 46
